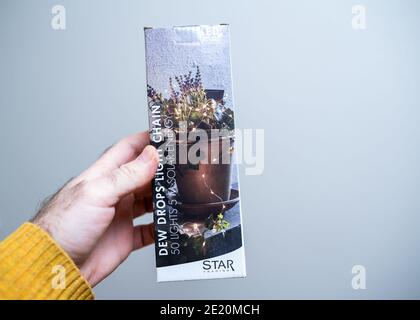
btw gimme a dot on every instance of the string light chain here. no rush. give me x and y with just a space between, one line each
212 192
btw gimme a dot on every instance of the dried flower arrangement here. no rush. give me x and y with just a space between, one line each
188 102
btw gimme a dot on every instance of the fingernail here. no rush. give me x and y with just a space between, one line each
148 154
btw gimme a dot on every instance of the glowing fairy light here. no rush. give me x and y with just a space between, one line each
193 229
211 190
219 224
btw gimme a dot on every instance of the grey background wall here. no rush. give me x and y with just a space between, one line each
340 109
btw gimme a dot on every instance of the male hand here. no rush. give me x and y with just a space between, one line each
91 217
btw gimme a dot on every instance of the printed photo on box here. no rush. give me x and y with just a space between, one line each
197 212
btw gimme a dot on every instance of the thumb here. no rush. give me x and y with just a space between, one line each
122 181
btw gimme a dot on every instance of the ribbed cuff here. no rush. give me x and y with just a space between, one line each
33 266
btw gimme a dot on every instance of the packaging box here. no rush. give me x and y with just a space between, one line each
197 212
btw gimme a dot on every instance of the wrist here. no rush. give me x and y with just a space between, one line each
88 273
85 268
49 226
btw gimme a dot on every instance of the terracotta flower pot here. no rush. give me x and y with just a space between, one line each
209 180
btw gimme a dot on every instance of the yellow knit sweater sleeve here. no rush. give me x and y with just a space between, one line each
33 266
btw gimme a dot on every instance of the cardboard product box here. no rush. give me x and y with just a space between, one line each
197 211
